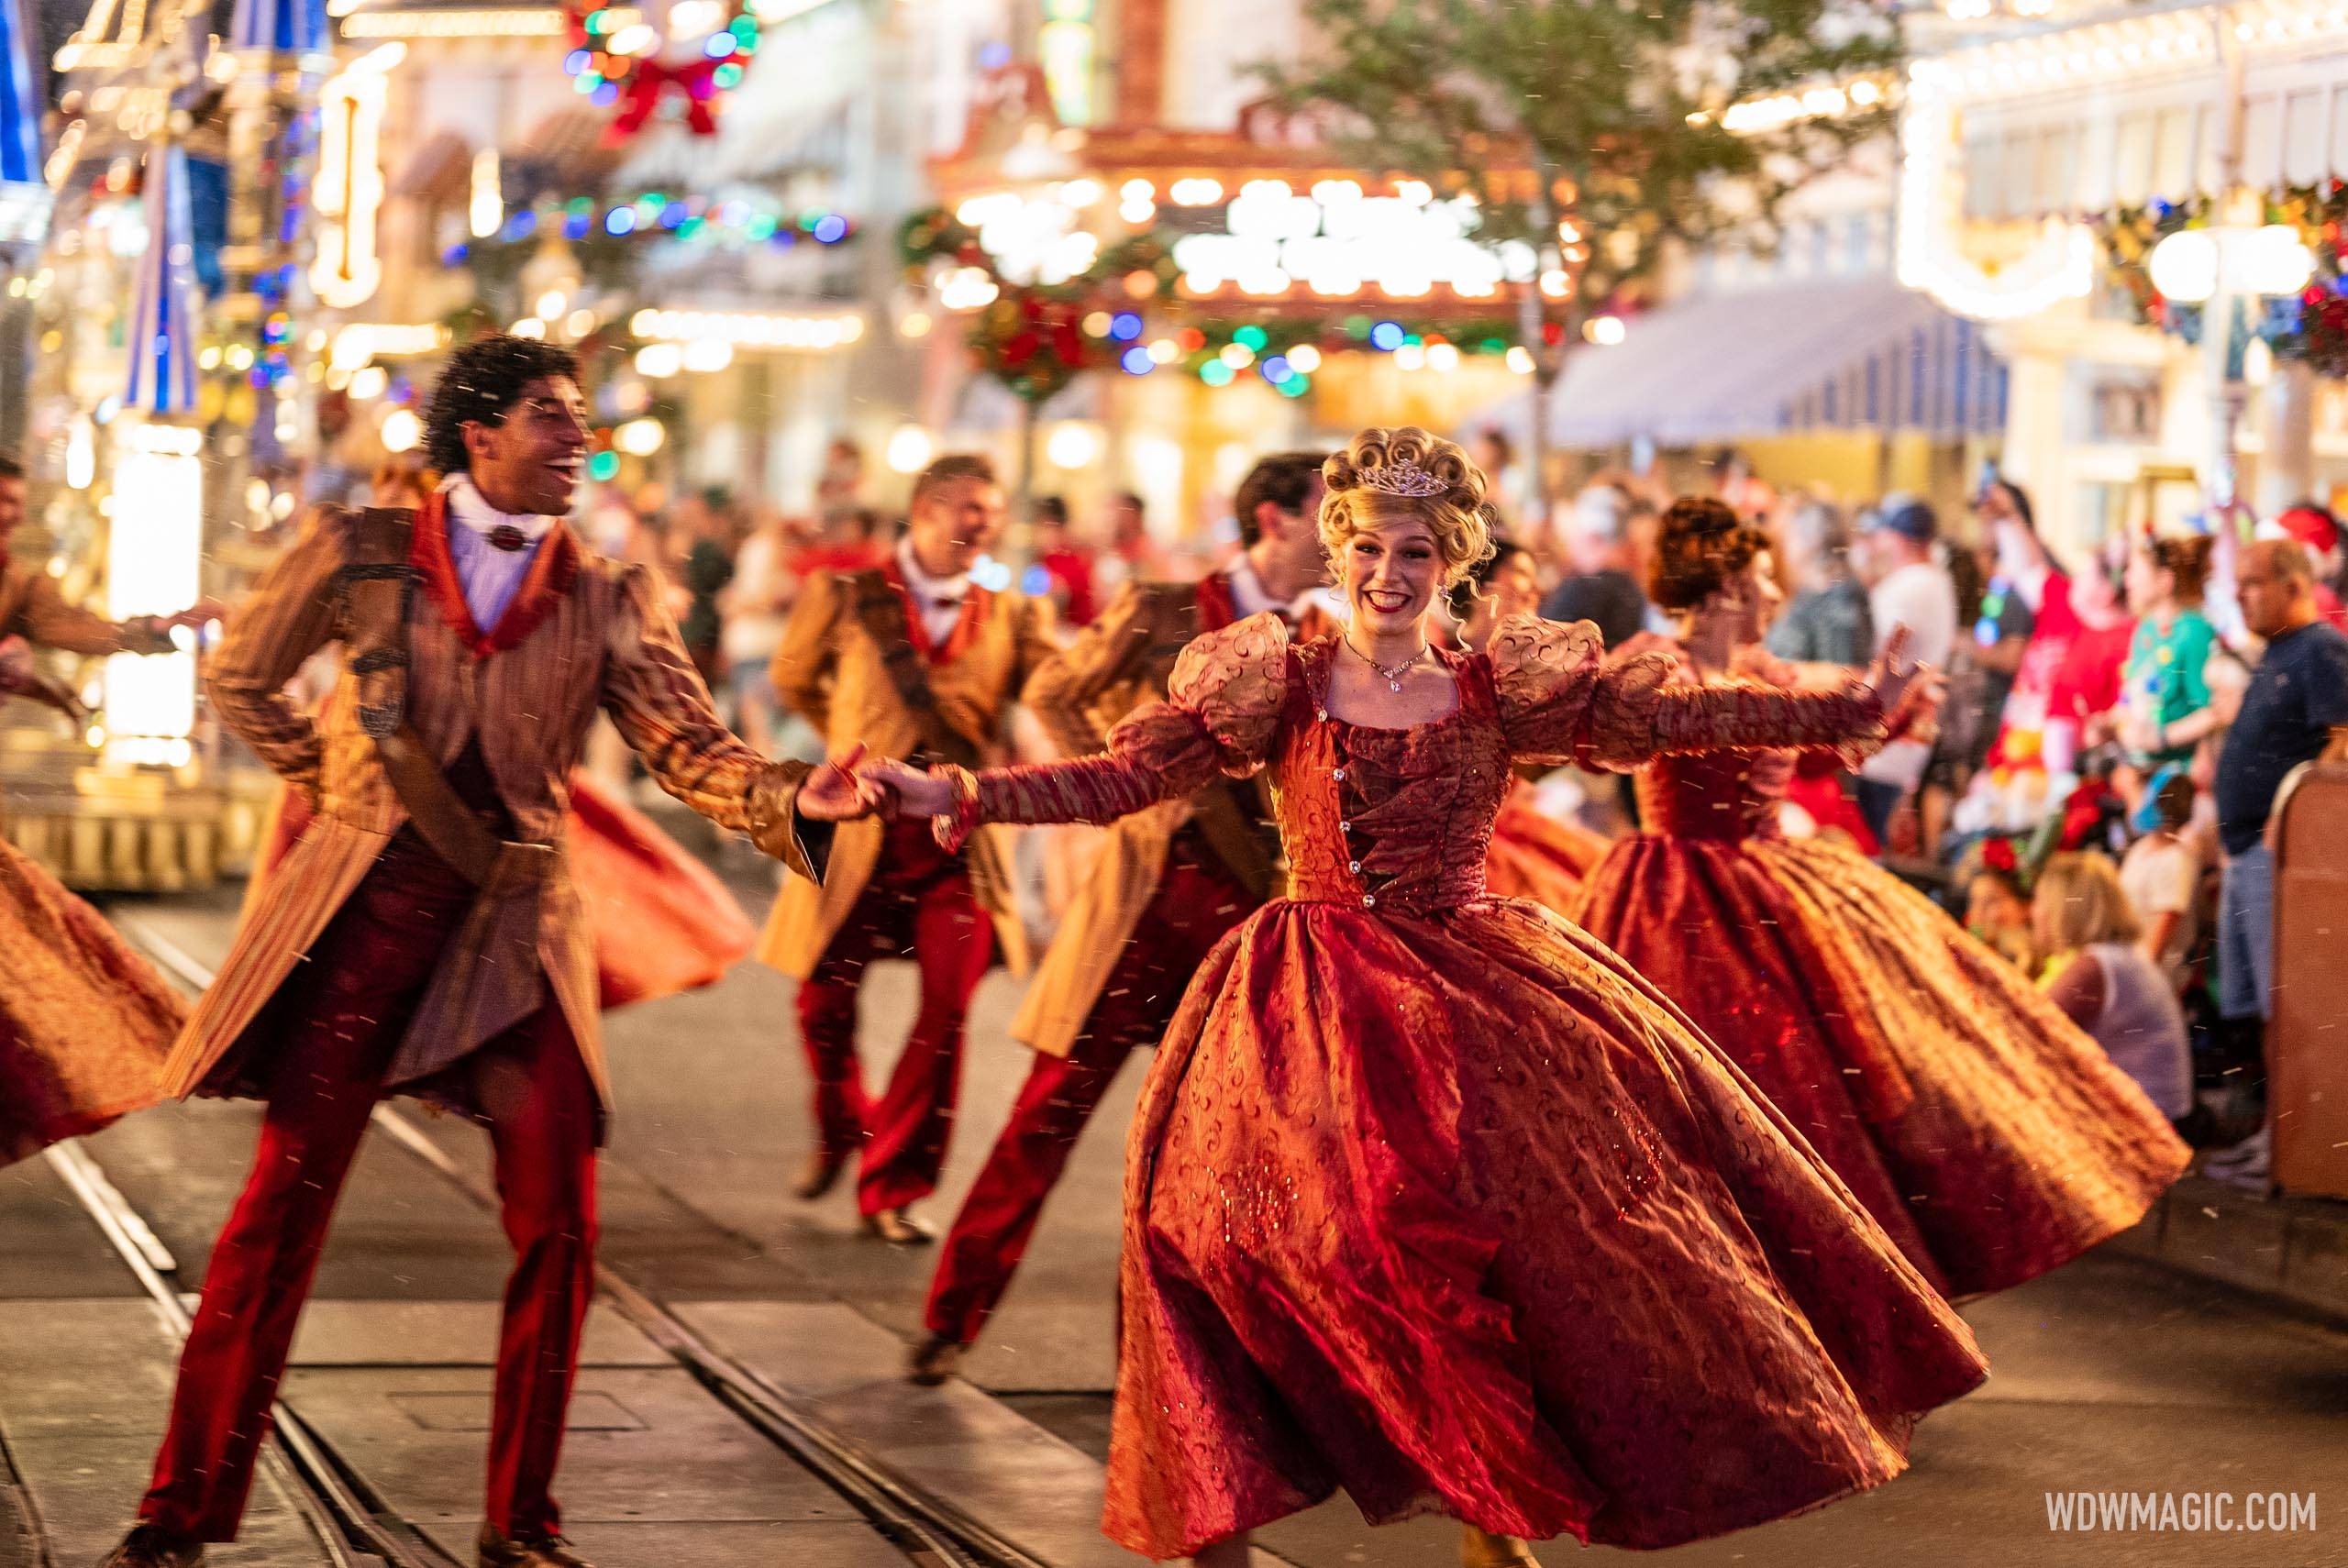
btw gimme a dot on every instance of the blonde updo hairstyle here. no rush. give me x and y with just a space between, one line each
1454 515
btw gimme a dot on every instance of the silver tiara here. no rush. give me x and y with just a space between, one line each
1403 478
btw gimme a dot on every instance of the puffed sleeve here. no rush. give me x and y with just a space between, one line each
1221 713
1561 701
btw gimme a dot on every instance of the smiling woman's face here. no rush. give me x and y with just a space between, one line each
1390 571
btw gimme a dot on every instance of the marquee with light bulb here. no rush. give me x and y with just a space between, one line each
2096 56
2166 257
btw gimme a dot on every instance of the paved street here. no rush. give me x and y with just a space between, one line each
2110 1376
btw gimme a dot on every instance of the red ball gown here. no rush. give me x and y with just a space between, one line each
1990 1137
1431 1196
84 1021
1534 855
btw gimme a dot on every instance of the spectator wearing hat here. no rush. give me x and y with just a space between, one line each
2318 532
1912 590
1599 587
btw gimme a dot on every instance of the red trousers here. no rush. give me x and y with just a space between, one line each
918 905
330 1033
1197 904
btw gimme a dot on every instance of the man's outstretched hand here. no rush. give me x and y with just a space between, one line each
830 794
908 790
18 679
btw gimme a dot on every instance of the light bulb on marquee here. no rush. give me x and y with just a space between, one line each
2274 260
909 449
1072 445
2184 266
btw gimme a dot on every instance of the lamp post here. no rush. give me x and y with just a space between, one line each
24 213
2220 268
2225 269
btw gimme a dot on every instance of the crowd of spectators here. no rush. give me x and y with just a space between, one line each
2099 794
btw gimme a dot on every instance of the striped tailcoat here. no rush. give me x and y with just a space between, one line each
583 634
833 669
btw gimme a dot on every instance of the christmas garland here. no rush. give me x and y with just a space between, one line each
2311 327
727 222
636 83
1035 338
1031 337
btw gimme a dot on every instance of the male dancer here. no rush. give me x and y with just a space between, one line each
32 608
912 659
423 936
1165 888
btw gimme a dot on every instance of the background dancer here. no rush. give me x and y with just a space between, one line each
423 936
84 1021
1162 889
1429 1195
1533 855
912 659
1990 1136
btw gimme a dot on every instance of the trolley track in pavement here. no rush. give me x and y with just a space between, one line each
354 1524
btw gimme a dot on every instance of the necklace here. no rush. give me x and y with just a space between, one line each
1392 673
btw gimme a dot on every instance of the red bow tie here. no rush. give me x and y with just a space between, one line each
507 538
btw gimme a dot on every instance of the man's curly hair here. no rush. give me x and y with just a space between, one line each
482 381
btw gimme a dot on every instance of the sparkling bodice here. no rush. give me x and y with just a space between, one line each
1389 819
1716 795
1399 821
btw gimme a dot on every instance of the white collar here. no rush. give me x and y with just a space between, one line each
467 506
1250 597
927 586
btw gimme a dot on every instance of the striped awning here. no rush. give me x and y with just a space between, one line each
21 100
279 27
161 338
1846 353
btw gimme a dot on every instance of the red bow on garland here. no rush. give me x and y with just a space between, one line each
650 79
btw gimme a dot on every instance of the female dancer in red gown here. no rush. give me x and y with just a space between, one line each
84 1022
1429 1195
1533 855
1990 1137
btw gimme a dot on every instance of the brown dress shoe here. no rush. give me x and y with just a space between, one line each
1482 1548
496 1551
900 1227
819 1174
152 1546
934 1361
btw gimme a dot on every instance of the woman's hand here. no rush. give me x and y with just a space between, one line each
833 793
913 791
1891 676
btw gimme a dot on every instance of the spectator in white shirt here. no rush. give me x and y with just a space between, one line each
1913 590
755 605
2161 873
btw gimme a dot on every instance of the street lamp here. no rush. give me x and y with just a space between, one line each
2220 269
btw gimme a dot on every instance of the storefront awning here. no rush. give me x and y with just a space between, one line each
1845 353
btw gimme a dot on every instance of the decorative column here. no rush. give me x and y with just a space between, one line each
282 50
24 215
